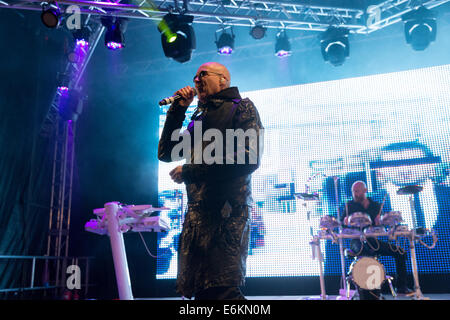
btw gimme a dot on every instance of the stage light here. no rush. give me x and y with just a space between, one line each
177 36
63 89
420 28
282 45
258 32
81 36
225 43
335 46
80 49
115 29
51 15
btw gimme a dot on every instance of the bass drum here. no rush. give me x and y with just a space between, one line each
367 273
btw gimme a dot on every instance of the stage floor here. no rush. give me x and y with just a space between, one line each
444 296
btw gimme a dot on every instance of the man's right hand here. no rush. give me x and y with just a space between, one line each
346 221
188 96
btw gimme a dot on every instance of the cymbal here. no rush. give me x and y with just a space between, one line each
412 189
307 196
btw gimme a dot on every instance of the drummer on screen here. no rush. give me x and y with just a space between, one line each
363 204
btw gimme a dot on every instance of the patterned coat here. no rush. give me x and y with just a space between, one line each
214 240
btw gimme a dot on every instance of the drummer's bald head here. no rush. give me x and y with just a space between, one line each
359 185
359 190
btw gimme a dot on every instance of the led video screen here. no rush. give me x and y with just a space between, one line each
389 130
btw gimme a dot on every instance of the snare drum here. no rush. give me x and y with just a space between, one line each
368 273
360 220
391 219
329 222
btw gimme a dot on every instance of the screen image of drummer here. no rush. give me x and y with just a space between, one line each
388 130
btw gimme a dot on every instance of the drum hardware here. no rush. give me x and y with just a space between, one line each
351 231
341 245
329 223
391 219
307 196
327 226
411 190
360 220
369 274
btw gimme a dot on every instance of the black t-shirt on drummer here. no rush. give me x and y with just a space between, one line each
372 210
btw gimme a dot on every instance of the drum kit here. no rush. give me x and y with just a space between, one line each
367 272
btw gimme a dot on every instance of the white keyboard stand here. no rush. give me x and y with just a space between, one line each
114 220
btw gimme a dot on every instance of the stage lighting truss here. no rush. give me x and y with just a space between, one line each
298 15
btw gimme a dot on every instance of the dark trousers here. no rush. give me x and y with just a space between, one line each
220 293
384 249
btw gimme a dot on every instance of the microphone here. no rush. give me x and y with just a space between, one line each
172 99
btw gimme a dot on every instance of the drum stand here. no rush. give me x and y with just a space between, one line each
417 292
344 289
317 253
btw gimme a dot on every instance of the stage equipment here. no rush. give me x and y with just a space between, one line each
51 15
410 235
360 220
410 191
177 36
225 43
116 218
258 32
81 36
335 46
420 28
114 34
282 45
391 219
367 272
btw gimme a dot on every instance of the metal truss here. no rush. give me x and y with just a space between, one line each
296 15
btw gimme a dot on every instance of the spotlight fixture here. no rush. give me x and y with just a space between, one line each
51 15
335 46
258 32
420 28
81 41
81 36
63 80
282 45
115 28
225 43
177 36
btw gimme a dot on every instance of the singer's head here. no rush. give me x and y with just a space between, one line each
211 78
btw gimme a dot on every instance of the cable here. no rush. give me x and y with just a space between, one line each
146 248
371 247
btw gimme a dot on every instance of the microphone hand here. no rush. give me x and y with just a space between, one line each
187 96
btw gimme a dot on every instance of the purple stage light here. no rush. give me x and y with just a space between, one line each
82 43
63 89
283 53
114 45
225 50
